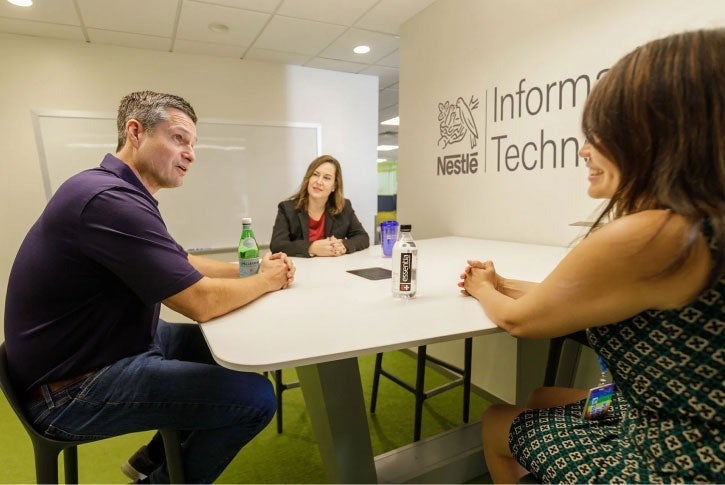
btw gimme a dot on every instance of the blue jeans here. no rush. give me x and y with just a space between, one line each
175 385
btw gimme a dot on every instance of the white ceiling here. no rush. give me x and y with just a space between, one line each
313 33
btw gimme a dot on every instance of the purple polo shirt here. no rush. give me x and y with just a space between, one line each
86 285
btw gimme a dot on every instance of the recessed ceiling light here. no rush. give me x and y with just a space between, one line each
21 3
361 49
392 121
386 148
218 27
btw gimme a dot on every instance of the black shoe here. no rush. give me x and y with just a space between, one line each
140 465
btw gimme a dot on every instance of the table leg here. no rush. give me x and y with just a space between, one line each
334 401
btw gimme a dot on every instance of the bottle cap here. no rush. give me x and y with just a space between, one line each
246 220
405 227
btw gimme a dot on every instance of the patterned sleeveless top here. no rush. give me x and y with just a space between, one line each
668 365
667 418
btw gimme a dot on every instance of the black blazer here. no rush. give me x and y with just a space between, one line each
291 230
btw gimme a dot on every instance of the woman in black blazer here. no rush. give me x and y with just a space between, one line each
318 220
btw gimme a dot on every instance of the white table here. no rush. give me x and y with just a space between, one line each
329 317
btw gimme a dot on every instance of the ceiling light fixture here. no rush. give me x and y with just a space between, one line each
361 49
392 121
218 28
21 3
387 148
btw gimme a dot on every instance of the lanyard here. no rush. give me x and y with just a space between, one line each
603 367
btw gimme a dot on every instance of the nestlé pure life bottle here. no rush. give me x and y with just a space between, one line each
248 250
405 264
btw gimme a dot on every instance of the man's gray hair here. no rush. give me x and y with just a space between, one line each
149 109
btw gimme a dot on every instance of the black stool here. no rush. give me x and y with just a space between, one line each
556 347
528 478
279 388
46 450
463 378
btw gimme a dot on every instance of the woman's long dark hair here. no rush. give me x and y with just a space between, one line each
336 200
659 116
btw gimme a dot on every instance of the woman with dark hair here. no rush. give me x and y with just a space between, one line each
318 220
648 286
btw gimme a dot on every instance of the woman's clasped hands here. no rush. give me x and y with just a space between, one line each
476 276
330 246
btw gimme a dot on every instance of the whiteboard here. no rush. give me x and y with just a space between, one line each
241 170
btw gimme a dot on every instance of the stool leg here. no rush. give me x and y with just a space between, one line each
552 360
70 463
467 357
376 381
419 391
46 463
278 389
174 457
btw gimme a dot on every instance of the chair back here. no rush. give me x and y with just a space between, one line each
10 392
16 403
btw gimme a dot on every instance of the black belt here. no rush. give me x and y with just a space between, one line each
36 393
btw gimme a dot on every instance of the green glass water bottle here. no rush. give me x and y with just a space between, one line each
248 250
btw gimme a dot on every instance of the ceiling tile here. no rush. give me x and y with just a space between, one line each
57 11
244 25
257 54
41 29
335 65
124 39
381 45
388 75
331 11
267 6
388 138
393 60
207 48
388 15
388 97
157 16
294 35
386 113
278 31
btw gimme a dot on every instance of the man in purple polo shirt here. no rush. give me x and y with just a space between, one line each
82 329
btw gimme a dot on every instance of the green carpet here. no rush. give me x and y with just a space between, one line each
290 457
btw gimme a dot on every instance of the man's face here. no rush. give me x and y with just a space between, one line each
166 153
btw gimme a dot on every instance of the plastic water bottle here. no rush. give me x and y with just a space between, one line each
405 264
248 250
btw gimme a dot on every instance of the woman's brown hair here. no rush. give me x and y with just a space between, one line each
336 200
659 116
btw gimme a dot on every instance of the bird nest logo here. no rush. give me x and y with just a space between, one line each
456 121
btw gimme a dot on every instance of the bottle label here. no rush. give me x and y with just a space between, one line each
248 266
406 271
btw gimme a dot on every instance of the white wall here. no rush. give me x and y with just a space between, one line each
477 48
38 74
